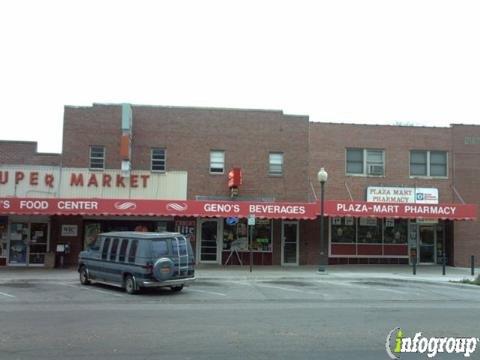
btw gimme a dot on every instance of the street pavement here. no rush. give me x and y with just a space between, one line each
271 313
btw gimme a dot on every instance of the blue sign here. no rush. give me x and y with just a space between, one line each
231 220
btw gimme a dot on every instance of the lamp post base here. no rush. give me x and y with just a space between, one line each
322 269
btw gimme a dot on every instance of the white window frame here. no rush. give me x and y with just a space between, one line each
427 176
366 164
97 158
164 159
212 163
270 163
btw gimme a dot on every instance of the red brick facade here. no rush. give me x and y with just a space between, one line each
25 152
247 137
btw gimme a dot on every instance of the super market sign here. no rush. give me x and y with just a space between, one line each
406 195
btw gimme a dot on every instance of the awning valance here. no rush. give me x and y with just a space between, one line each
134 207
241 209
338 208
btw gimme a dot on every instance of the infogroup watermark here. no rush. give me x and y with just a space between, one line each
397 343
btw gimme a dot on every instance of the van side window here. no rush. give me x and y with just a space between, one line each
113 250
133 251
123 250
106 244
159 248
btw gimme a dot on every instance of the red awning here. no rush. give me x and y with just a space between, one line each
242 209
400 210
109 207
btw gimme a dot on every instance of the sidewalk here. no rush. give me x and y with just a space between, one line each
216 272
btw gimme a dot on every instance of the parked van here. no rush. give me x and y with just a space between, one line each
136 260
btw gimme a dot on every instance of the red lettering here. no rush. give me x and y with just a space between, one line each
34 178
144 180
76 180
106 180
3 177
49 180
19 176
92 181
134 181
119 181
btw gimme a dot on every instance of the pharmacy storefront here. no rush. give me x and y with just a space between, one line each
394 225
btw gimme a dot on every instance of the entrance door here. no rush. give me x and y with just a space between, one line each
209 240
290 243
427 243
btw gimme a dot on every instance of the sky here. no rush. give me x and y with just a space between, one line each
351 61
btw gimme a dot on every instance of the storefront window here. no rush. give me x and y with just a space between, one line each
18 243
3 235
235 236
396 231
369 230
343 230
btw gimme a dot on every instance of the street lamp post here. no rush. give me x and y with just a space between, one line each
322 177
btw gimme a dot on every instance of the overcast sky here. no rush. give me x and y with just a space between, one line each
379 62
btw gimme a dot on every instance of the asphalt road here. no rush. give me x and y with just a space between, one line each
277 319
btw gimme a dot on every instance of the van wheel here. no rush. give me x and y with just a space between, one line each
84 276
177 288
130 285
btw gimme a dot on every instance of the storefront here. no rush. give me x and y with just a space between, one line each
24 240
398 233
218 230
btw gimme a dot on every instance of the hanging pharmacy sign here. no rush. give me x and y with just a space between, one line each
406 195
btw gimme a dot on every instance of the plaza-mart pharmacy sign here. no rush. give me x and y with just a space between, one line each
404 195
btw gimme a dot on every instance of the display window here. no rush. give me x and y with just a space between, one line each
370 231
343 230
396 231
27 242
235 235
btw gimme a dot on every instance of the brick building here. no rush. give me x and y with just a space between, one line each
127 167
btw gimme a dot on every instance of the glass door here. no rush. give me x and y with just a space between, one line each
18 243
38 243
209 230
290 243
427 244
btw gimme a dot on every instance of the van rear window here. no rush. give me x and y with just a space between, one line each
179 245
159 248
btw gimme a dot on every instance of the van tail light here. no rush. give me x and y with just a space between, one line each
149 268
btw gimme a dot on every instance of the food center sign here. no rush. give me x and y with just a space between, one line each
402 195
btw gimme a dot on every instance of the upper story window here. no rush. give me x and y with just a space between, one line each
158 159
275 164
366 162
217 161
428 163
97 157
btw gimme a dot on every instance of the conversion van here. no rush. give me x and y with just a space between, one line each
136 260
